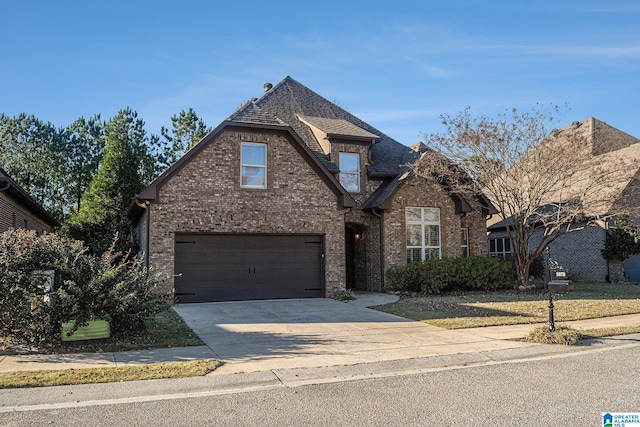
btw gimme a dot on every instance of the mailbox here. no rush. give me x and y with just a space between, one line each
560 286
556 287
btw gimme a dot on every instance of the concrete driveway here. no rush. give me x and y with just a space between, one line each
299 333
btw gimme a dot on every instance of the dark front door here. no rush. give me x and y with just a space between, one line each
224 267
350 261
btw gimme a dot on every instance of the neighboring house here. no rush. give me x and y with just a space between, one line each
580 251
19 210
294 197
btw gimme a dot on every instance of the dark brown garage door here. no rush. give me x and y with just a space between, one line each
216 267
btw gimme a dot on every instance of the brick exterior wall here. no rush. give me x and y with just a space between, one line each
579 253
367 187
205 197
420 192
606 138
14 215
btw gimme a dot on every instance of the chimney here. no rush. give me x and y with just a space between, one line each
267 87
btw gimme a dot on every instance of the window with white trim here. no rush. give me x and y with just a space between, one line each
464 239
350 171
500 247
253 165
423 234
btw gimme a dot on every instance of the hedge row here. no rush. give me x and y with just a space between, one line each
448 274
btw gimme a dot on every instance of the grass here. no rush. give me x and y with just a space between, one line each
166 329
562 335
103 375
476 309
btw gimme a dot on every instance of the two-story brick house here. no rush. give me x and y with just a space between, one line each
293 197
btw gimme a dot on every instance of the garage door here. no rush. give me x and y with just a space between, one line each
632 268
215 267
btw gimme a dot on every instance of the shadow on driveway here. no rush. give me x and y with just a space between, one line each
261 335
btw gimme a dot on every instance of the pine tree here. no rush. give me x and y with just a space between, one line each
124 171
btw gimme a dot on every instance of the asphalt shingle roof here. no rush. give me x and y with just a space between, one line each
289 99
251 113
339 127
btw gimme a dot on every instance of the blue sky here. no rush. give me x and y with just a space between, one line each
397 65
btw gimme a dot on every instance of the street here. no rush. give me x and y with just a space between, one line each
566 390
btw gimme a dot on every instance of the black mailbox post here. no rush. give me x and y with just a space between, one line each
557 287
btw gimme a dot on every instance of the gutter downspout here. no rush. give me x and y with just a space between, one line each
381 216
145 206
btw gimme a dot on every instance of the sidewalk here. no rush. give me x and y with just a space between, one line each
510 332
449 347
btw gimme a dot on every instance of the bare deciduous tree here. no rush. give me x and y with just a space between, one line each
539 179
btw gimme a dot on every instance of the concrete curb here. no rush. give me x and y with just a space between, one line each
28 399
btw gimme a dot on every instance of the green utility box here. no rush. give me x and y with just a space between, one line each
95 330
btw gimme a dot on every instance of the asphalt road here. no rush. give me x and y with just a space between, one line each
571 390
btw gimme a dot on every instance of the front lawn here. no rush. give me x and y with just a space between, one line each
194 368
166 329
483 308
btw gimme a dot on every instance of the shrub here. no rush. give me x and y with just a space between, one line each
405 278
466 273
112 287
562 335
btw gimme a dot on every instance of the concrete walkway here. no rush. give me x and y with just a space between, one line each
310 335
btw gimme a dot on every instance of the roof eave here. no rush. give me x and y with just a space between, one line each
11 187
344 198
354 138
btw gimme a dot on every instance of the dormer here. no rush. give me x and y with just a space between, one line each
327 131
347 144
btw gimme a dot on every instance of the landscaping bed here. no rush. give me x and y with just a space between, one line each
166 329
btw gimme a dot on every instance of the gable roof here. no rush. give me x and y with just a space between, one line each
301 113
8 185
289 101
340 128
267 122
603 149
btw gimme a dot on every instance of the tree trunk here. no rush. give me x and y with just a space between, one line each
522 269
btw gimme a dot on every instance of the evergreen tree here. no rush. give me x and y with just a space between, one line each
82 148
622 242
125 170
29 154
187 130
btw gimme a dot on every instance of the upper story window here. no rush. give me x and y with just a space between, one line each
423 234
350 171
253 161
